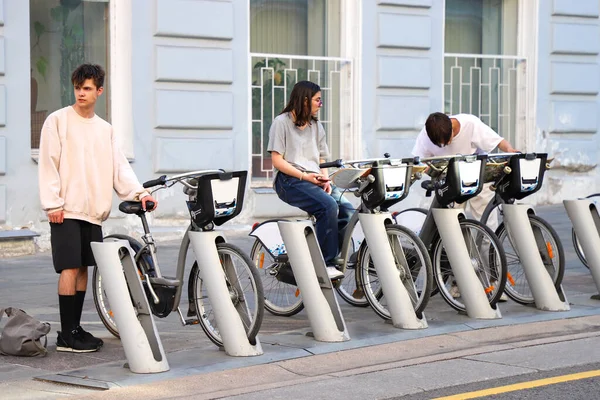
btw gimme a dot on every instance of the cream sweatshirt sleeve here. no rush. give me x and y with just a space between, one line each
48 164
125 182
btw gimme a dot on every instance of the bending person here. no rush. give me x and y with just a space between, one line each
445 135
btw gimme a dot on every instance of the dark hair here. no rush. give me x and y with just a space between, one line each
88 71
439 128
300 102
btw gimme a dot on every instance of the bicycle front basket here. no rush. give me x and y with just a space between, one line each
527 174
391 184
463 180
219 198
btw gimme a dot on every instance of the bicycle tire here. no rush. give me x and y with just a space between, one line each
100 299
349 288
576 244
517 287
419 270
280 298
411 218
493 280
253 305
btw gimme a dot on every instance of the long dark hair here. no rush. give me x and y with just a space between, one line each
301 102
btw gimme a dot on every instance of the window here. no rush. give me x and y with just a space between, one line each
64 34
295 27
290 41
483 72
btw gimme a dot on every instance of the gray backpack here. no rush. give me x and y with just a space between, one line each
22 334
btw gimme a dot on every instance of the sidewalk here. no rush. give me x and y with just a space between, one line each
30 283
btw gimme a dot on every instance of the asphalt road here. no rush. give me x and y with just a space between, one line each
575 387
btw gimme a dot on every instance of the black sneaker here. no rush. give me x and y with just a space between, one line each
88 337
74 343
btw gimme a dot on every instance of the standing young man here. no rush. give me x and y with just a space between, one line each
80 163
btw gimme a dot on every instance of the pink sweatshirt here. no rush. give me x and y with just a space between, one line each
80 162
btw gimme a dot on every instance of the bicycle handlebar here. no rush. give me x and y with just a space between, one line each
163 180
339 163
332 164
155 182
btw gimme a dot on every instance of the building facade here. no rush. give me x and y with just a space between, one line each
194 84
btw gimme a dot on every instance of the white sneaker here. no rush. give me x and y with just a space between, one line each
334 273
454 292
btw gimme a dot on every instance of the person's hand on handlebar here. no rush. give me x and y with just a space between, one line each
145 200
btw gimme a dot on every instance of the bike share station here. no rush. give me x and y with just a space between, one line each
463 180
115 259
525 175
585 217
305 257
328 326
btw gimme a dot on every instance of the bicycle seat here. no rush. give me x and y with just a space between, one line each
427 184
131 207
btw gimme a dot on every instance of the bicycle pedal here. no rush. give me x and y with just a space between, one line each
191 321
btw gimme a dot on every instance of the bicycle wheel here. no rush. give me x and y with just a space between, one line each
349 288
487 259
413 263
101 301
412 218
576 244
281 298
245 289
551 252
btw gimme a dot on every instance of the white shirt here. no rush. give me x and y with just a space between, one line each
474 137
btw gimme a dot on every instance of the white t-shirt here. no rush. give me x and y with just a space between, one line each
474 137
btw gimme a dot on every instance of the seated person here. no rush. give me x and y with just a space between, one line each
298 145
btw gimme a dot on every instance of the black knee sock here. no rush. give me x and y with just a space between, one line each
67 309
79 298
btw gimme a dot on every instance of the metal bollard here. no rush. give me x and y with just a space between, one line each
139 337
586 221
396 293
520 231
235 339
310 273
471 290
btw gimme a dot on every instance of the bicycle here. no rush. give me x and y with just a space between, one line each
379 183
164 293
514 177
578 249
455 179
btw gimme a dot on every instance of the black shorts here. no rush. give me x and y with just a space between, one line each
71 243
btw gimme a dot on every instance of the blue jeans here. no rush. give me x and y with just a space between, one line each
332 211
